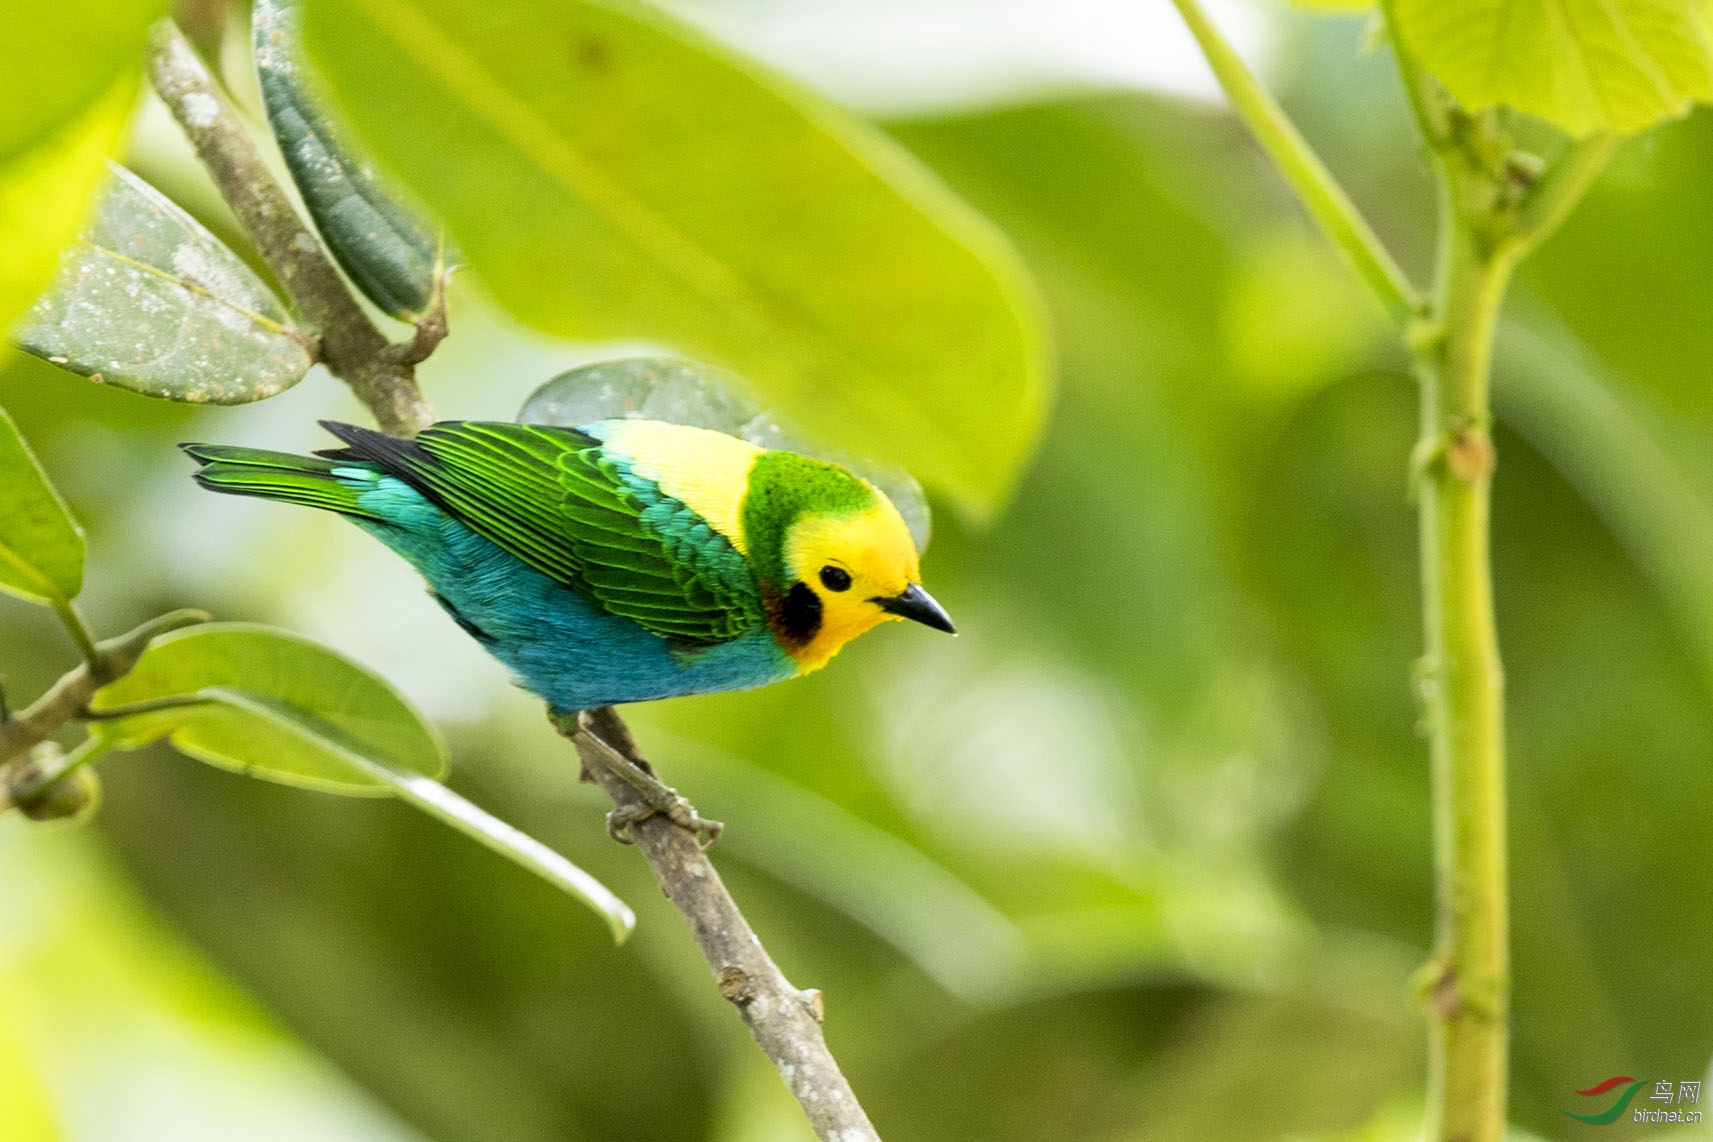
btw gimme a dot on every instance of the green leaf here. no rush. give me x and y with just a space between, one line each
271 705
150 301
1586 65
394 258
41 546
611 174
60 57
45 190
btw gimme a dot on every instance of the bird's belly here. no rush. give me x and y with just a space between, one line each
564 647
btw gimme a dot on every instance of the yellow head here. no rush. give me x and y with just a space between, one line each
832 556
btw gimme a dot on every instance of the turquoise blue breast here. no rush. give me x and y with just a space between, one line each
558 643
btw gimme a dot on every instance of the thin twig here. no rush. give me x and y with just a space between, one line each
352 347
78 627
785 1021
71 694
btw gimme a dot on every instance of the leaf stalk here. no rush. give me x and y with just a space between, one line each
1320 193
78 627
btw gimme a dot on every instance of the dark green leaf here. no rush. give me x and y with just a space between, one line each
611 174
391 255
150 301
272 705
41 546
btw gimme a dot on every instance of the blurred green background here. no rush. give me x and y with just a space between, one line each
1143 854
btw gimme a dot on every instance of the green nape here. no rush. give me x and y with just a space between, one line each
784 486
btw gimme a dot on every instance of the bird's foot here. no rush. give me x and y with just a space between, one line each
658 799
674 808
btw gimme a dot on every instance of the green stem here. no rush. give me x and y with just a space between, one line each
131 710
1315 186
80 632
1463 682
1484 233
87 751
1484 230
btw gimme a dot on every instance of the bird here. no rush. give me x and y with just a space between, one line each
620 561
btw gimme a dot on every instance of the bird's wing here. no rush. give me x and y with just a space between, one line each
553 498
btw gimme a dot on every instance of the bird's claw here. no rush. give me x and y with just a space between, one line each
675 809
657 799
619 822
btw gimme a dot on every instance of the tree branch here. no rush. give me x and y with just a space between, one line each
382 375
785 1022
67 698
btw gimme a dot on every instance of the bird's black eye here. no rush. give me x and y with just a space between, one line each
835 578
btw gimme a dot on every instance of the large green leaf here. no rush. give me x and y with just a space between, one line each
58 57
1586 65
611 174
150 301
272 705
392 256
41 546
45 189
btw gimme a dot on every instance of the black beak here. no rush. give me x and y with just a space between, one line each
917 604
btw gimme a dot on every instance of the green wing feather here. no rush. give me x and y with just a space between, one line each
556 500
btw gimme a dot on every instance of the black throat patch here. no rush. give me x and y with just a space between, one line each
795 616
